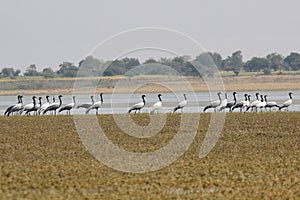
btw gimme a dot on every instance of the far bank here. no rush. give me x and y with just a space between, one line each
146 84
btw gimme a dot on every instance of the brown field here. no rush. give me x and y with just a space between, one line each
231 83
256 157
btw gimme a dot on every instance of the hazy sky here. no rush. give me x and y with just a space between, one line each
48 32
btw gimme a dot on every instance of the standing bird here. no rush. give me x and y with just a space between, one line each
45 105
181 104
241 103
38 106
287 103
54 106
96 105
157 106
10 107
261 104
29 107
252 105
86 105
68 107
16 108
214 104
247 102
230 104
270 104
223 104
138 106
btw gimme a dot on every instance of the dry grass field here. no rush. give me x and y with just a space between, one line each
256 157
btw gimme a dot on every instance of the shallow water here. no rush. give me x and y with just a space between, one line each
120 103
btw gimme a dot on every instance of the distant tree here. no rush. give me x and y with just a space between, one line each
31 71
257 64
129 63
17 72
187 57
233 63
90 66
236 71
176 66
67 69
181 60
293 60
217 58
48 73
180 65
205 59
237 60
150 60
267 71
7 72
226 64
286 67
164 61
115 67
277 61
204 64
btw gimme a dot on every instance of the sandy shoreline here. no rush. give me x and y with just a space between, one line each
148 85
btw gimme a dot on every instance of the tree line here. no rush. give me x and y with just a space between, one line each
184 65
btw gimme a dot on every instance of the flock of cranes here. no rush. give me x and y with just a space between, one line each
259 104
221 105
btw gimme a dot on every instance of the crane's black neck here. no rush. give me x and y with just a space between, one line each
234 97
47 97
143 97
159 98
246 97
34 103
101 98
290 94
219 95
60 101
185 97
92 97
225 95
257 96
40 101
262 98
